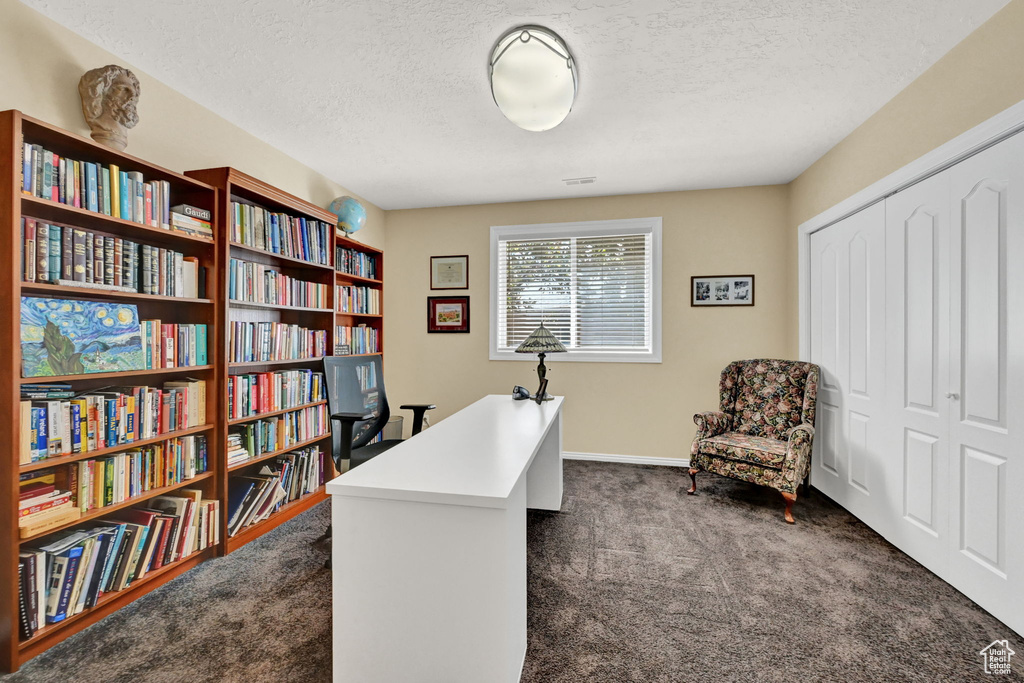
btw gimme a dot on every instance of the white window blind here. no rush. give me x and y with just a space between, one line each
595 292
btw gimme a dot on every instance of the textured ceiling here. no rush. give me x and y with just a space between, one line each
391 99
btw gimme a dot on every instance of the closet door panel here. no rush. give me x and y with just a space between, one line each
986 389
917 349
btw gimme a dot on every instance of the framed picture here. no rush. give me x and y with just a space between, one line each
722 290
449 272
447 314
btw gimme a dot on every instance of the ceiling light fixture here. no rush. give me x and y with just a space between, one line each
533 77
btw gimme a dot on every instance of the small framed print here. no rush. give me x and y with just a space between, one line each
449 272
722 290
447 314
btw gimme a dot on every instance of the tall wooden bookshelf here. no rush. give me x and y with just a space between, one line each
356 277
235 186
14 204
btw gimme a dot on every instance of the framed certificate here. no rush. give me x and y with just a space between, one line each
449 272
448 314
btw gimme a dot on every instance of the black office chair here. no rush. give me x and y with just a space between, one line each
359 405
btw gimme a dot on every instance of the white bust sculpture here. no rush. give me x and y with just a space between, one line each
109 96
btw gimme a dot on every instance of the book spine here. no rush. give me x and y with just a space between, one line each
78 255
115 191
28 243
91 194
118 255
127 196
26 168
67 254
55 252
42 252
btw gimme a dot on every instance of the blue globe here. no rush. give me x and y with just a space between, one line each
351 214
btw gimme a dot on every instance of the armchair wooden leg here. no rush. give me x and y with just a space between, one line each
693 479
790 499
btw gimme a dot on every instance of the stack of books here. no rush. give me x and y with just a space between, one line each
293 236
252 499
166 345
76 257
354 262
104 189
277 433
256 283
44 503
72 572
265 392
356 340
57 422
191 220
364 300
250 342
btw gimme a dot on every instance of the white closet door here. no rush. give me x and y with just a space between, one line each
986 387
848 342
917 352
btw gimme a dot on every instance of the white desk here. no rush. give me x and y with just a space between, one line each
429 555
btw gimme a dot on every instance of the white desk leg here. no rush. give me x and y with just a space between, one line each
427 592
544 478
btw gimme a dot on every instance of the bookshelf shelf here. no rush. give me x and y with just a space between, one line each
343 314
50 635
92 293
287 260
269 456
118 375
348 278
65 459
98 513
278 307
287 361
15 131
287 511
282 411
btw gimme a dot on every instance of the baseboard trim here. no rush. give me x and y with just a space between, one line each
627 459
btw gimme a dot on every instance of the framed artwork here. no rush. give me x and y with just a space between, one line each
449 272
447 314
70 337
722 290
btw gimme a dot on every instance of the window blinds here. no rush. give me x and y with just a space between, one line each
593 293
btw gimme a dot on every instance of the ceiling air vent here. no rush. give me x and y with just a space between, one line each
580 181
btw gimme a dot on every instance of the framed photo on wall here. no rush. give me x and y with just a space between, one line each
722 290
449 272
447 314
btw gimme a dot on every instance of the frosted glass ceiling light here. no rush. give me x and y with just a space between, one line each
533 77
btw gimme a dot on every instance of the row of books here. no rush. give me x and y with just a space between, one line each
265 392
84 258
253 439
168 345
293 236
354 262
351 299
104 189
55 421
72 572
191 221
256 283
355 340
253 498
250 342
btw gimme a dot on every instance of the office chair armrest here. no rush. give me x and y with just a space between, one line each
418 411
348 423
351 417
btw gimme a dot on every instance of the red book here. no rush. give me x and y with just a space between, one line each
35 490
165 412
149 204
45 505
78 181
179 410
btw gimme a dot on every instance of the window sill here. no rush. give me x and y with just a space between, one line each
582 357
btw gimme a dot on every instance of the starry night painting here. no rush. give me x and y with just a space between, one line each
64 337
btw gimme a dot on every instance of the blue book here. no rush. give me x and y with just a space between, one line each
111 408
232 277
127 197
104 181
139 210
56 249
304 245
43 440
115 547
91 185
200 344
76 428
73 557
275 240
236 496
26 168
34 426
47 176
104 541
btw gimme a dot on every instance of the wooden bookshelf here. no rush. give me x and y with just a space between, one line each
14 204
342 279
235 186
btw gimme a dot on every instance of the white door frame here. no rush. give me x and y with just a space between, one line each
982 136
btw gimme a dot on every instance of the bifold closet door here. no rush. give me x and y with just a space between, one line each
917 370
848 342
986 387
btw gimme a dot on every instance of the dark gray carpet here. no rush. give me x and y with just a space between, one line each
632 581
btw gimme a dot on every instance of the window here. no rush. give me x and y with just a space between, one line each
595 285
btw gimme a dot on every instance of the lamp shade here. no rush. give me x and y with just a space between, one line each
541 341
533 78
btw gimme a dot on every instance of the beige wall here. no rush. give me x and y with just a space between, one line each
42 62
615 408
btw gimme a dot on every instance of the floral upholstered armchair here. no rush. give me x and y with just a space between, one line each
765 428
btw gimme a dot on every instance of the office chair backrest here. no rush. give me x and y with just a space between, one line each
356 384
